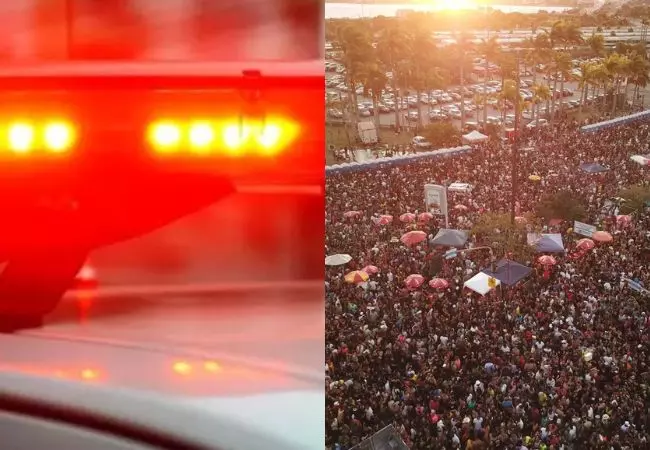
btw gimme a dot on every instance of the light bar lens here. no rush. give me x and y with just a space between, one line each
59 136
229 138
22 138
165 136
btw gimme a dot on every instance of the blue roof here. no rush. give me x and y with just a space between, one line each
509 272
395 160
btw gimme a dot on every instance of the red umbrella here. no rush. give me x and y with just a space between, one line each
439 283
585 244
546 260
407 217
623 220
425 217
370 270
413 237
351 214
602 236
414 281
383 220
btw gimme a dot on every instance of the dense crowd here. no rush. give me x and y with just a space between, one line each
559 361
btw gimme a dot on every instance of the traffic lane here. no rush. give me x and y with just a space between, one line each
281 329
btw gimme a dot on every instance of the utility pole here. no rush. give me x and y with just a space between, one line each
515 146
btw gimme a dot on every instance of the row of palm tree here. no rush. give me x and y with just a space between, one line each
405 57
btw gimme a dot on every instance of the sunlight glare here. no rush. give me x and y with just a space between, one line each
454 5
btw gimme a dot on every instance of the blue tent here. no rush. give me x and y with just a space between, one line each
546 243
593 168
509 272
451 238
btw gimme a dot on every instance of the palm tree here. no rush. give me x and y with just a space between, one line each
563 66
356 52
423 74
391 51
541 93
586 76
639 74
596 43
462 46
511 93
490 49
616 66
374 82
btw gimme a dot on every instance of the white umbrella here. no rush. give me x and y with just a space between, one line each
337 260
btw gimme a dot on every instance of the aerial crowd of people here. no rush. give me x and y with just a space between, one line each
560 360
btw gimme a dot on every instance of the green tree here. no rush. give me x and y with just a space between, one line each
636 198
356 50
374 82
442 134
392 50
490 49
561 205
497 231
563 66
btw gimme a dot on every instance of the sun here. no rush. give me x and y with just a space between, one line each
454 5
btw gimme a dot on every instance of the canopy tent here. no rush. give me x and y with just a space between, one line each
450 238
395 160
337 260
546 243
509 272
644 160
474 137
593 168
480 283
642 115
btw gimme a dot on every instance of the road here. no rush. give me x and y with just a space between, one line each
280 329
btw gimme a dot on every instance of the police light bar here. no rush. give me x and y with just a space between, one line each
168 111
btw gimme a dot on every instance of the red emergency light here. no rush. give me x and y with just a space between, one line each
209 116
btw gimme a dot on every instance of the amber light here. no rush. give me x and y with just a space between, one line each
233 138
51 137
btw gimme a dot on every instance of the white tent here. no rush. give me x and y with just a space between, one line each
337 260
479 283
644 160
474 137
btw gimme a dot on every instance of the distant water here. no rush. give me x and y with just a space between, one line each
357 10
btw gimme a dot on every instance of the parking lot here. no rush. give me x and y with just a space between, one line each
438 105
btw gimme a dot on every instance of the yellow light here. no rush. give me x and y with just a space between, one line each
236 137
165 136
182 368
21 137
201 135
275 135
59 136
89 374
269 138
212 366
